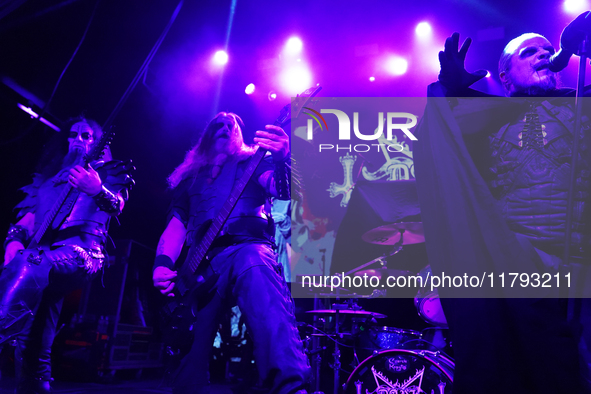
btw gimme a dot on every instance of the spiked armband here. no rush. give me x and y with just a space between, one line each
108 201
282 175
16 233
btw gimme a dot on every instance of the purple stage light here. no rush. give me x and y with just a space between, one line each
220 58
423 30
249 88
371 79
272 95
35 115
396 65
488 74
296 79
575 6
293 46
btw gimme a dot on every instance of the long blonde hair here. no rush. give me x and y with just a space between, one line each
203 152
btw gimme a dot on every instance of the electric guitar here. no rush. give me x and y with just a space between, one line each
195 277
23 280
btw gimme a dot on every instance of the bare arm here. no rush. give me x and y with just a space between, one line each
170 245
172 239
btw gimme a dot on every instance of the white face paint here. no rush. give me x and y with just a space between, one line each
81 138
226 133
529 67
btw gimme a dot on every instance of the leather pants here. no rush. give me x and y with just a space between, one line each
251 278
33 350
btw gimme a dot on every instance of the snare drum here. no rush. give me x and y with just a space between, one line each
428 303
403 371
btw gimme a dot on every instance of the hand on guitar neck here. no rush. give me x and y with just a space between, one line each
275 140
87 181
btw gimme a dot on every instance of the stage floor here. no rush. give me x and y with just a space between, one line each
7 386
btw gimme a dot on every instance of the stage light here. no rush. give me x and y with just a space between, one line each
35 115
293 46
220 58
488 74
396 65
575 6
371 79
296 79
249 88
272 95
423 29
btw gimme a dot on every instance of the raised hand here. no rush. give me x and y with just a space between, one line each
453 74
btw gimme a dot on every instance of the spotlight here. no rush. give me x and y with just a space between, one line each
423 29
295 79
396 65
293 46
249 88
488 74
371 79
272 95
575 6
220 58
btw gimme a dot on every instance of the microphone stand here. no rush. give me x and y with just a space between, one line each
565 266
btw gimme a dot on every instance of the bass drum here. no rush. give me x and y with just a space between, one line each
403 371
428 303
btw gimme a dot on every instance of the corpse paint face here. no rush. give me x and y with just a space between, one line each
528 71
224 127
226 134
81 138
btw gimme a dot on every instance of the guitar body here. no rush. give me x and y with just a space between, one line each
22 281
179 312
177 334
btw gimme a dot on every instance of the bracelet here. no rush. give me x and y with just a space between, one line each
163 260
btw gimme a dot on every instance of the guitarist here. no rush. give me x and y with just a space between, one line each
242 254
74 244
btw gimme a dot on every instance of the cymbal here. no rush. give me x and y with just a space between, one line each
350 312
383 272
390 234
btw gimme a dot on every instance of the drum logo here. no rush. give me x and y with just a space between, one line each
397 364
411 385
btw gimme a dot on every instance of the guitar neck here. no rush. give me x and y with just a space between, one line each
225 211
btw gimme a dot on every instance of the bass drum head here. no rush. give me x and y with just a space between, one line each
403 372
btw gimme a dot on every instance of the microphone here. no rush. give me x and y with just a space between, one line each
559 60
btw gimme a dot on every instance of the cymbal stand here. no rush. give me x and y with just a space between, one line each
337 355
317 349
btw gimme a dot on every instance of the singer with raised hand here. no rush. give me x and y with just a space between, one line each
498 199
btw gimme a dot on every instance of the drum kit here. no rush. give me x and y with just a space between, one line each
400 360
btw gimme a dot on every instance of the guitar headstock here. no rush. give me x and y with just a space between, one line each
98 149
285 114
